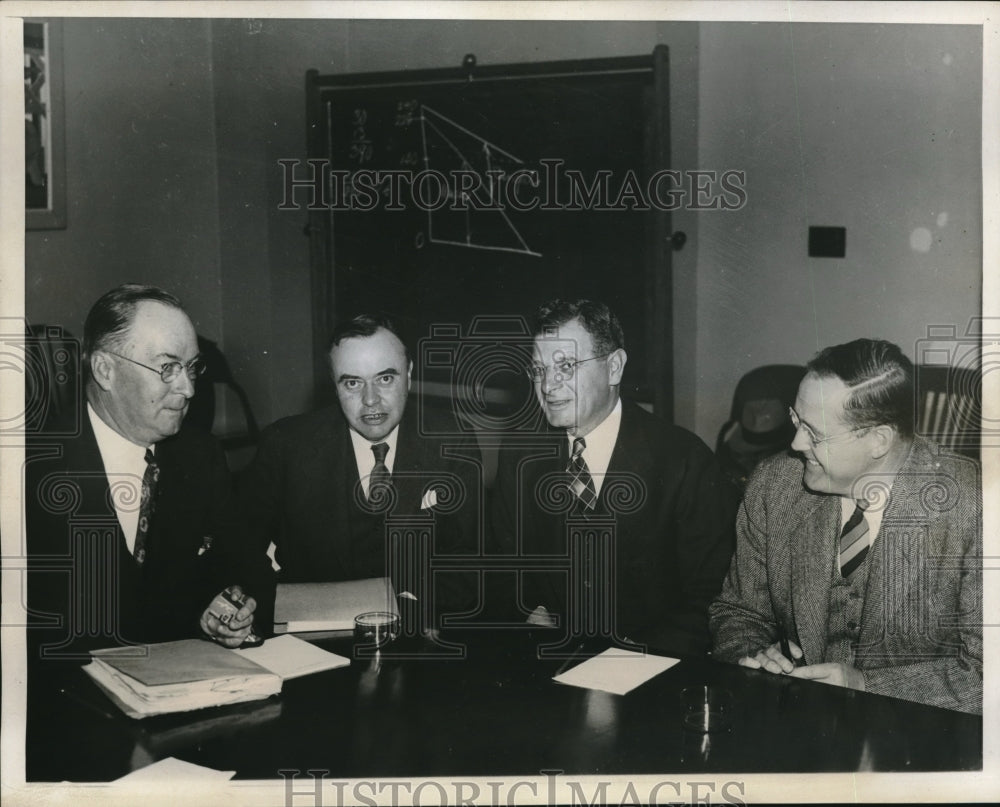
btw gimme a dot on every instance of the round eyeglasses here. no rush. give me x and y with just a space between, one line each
563 369
169 371
811 435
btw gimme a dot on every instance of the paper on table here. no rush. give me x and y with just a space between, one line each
290 657
616 671
175 770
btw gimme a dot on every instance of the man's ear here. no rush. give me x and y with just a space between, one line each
616 366
409 372
102 369
883 439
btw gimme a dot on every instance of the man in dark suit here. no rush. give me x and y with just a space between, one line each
863 552
330 488
129 522
634 511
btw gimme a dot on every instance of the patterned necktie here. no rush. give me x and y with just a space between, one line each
581 482
854 540
147 506
379 478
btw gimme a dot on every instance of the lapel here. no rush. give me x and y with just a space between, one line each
414 461
545 529
812 537
895 557
338 471
631 455
83 461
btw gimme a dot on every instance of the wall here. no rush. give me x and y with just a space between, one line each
871 127
175 128
259 69
141 192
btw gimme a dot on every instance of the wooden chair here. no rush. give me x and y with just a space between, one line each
948 407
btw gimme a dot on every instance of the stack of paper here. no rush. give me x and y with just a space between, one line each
192 674
178 676
302 607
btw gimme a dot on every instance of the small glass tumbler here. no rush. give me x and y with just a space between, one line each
375 628
707 709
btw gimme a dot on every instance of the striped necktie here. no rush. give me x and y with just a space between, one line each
147 505
854 540
581 482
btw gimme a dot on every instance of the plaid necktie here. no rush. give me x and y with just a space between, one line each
854 540
379 479
147 506
581 482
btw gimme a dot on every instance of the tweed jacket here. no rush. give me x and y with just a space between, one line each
921 626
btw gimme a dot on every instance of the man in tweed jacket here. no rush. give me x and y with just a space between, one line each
906 618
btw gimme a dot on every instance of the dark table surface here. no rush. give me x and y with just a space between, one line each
489 707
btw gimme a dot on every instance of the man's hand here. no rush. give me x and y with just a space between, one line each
772 659
233 634
840 675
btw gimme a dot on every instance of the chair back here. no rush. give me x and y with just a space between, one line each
948 407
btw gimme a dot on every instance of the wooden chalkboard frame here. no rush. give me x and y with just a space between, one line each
658 291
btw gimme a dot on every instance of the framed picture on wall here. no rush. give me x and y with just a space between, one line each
44 126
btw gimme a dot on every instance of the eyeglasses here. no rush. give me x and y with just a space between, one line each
811 435
563 369
169 371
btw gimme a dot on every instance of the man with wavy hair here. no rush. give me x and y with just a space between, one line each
858 558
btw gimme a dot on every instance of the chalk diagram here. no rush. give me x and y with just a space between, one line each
448 146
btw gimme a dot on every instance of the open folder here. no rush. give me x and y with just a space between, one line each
302 607
152 679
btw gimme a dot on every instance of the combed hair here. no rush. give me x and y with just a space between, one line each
112 315
599 321
880 379
364 325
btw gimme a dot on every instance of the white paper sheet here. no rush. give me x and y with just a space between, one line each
290 657
171 769
616 671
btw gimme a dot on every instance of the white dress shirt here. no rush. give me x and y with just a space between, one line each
124 465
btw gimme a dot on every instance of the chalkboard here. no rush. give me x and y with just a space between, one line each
459 199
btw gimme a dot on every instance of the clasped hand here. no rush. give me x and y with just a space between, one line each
239 627
774 661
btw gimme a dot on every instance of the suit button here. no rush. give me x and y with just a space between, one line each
852 626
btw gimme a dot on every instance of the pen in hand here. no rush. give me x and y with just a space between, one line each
786 651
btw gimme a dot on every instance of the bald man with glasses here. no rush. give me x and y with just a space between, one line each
132 531
859 556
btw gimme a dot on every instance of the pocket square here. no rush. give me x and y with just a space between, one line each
430 499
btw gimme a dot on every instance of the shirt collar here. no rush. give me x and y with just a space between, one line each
363 450
601 441
118 453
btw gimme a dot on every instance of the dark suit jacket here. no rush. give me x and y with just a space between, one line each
673 531
84 584
921 624
302 488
